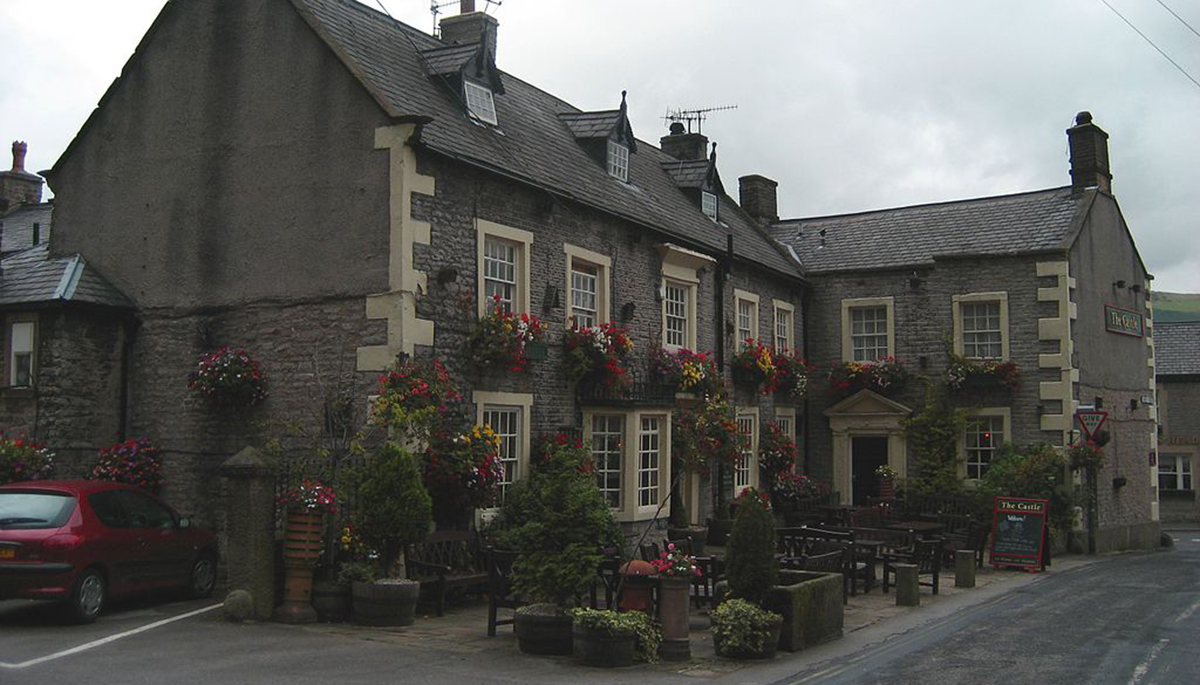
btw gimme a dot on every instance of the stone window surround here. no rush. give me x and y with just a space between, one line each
9 370
959 300
630 512
524 241
778 306
852 303
740 296
1180 464
523 401
603 266
752 479
1004 413
681 266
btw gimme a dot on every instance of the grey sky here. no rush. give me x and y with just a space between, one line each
850 105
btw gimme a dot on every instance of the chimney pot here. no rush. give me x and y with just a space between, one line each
466 28
758 198
466 6
19 148
1089 155
684 146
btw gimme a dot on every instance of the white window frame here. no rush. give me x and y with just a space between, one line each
1180 465
957 302
848 305
523 242
688 332
603 266
618 160
746 476
786 417
1005 416
481 102
591 434
751 300
631 510
504 401
709 204
681 265
28 347
783 343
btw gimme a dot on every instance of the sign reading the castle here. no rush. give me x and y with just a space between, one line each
1122 321
1019 532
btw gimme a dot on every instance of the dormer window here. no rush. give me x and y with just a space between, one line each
480 103
708 203
618 160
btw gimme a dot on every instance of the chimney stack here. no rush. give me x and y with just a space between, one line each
1089 155
19 187
683 145
467 27
756 195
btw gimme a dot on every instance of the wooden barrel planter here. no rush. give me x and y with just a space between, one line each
331 601
602 647
543 629
390 602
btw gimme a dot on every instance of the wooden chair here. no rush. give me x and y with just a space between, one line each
500 587
925 554
973 538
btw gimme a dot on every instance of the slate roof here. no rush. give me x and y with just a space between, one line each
1036 221
31 277
591 124
16 227
536 146
1176 348
687 173
449 59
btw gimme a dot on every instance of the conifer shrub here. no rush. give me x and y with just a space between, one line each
393 509
750 565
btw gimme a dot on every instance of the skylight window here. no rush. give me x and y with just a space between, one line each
708 203
480 103
618 160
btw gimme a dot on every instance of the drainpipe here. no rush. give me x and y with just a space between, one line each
804 424
127 334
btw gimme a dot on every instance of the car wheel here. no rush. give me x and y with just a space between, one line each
202 578
87 601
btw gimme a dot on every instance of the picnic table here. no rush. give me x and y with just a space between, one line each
922 528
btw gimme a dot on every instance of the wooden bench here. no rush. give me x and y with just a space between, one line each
448 560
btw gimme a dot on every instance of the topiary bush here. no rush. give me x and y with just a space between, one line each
393 508
560 523
750 565
742 629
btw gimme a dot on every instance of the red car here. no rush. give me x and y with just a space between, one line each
86 541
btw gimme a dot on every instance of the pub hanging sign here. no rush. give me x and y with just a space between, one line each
1123 321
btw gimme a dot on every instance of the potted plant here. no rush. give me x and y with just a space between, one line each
887 481
750 565
676 571
135 462
559 522
462 473
754 364
503 339
596 356
792 372
686 371
602 637
354 562
22 459
229 376
742 630
414 398
305 505
392 512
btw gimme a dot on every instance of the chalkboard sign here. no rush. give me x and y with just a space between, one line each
1019 532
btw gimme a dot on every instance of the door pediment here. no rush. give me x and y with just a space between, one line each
867 403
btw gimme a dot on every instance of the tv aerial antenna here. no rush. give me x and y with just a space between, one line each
698 115
435 8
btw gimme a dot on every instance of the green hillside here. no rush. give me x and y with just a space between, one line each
1176 306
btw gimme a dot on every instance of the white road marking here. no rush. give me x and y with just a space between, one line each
1144 667
106 640
1187 613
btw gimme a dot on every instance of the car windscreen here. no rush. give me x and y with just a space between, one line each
27 510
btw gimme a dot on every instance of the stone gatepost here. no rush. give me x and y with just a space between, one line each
964 568
250 528
908 588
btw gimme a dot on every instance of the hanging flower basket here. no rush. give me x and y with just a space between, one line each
686 371
229 376
754 364
502 339
597 356
792 373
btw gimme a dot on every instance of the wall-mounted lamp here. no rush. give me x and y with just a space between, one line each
1119 482
1099 402
1136 288
627 310
447 275
550 301
1119 284
661 293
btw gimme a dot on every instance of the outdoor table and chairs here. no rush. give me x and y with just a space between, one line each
922 528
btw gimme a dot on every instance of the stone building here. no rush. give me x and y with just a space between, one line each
328 189
1049 280
1177 366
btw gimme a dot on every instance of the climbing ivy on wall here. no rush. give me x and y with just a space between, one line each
933 434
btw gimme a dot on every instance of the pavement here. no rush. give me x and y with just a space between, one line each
192 640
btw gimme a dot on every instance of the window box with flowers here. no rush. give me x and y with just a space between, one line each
686 371
886 377
22 460
753 365
229 376
595 356
984 374
134 462
506 340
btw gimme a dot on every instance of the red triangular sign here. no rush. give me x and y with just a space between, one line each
1091 420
